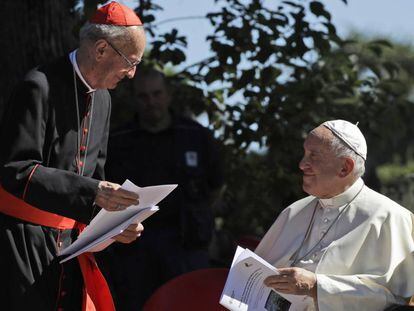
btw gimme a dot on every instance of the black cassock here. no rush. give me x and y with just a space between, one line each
45 141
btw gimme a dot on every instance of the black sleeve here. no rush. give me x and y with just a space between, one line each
21 158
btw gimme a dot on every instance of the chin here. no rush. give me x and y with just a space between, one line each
308 189
112 86
112 83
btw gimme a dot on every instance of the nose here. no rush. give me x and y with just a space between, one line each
131 72
150 100
303 163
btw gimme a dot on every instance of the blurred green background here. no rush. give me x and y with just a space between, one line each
270 71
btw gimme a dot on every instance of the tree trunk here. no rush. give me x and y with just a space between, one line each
32 32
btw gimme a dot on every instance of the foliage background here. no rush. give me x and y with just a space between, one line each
274 71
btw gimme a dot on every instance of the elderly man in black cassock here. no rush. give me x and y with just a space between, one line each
54 136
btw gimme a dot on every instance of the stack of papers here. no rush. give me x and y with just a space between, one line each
106 225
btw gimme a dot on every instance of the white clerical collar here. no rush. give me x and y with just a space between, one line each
72 57
344 197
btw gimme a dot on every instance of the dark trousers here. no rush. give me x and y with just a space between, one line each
31 277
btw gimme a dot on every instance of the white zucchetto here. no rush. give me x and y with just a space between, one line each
350 134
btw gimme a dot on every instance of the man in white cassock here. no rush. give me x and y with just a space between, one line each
345 246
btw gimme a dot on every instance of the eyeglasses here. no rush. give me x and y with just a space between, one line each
130 63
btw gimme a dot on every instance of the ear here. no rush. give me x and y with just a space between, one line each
101 47
347 167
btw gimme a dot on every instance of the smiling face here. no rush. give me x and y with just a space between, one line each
322 170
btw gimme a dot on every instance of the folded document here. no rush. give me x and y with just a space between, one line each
244 289
105 225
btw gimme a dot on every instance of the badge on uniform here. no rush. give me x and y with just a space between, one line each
191 158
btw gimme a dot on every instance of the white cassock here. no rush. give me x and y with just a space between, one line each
364 262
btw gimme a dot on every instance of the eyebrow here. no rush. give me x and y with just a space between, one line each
315 151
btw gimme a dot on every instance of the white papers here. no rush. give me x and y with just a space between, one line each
106 225
244 288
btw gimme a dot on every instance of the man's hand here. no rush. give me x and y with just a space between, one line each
111 197
130 234
296 281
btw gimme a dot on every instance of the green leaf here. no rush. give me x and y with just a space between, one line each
292 4
318 9
384 43
392 68
377 50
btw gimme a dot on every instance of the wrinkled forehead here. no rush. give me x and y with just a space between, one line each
132 41
319 138
138 37
322 133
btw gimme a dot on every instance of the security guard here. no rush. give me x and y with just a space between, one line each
162 148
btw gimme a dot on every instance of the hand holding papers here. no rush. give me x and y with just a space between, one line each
106 224
244 289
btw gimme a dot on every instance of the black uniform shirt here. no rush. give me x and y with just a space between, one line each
183 154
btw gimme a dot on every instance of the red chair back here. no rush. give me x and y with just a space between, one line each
248 241
197 290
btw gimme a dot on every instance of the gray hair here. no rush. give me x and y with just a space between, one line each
342 150
93 32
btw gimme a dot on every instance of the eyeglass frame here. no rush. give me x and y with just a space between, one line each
130 64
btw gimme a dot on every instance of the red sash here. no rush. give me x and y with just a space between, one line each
96 292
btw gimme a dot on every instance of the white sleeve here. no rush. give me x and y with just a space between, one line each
352 292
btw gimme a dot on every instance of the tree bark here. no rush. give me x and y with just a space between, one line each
32 32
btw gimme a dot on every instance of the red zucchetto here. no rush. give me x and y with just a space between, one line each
116 14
